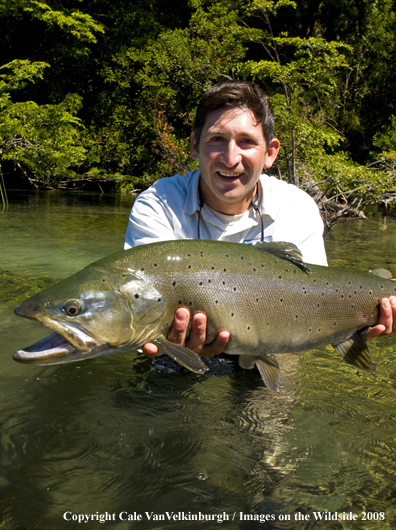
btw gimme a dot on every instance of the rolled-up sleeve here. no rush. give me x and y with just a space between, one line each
149 221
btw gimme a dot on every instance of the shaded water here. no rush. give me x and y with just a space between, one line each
124 436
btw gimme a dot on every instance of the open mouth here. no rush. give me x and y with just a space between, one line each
68 343
46 350
230 175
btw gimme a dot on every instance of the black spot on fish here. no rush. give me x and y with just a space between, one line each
318 305
241 257
136 296
334 323
254 270
234 289
280 277
310 329
223 283
173 283
159 299
190 303
180 301
188 255
225 270
189 266
155 265
209 281
103 280
352 306
370 292
142 269
200 283
319 330
342 296
247 328
212 268
232 314
281 300
216 301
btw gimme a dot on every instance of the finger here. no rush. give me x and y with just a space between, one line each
392 300
150 350
374 332
217 346
196 341
178 331
385 321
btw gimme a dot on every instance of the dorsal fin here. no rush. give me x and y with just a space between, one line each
287 251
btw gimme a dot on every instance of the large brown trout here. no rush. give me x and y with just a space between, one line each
265 296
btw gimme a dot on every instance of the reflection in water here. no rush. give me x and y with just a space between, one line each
124 434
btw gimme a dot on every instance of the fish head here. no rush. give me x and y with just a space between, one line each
92 313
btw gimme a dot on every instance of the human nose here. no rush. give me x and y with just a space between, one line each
231 154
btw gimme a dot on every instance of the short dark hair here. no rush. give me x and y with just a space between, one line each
232 95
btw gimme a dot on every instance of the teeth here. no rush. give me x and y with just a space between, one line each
226 174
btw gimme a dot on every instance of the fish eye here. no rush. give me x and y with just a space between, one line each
72 308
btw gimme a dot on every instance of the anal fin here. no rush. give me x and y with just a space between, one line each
182 355
269 370
355 351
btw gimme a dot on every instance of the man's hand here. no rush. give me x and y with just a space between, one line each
387 320
196 341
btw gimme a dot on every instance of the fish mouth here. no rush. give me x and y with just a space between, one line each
52 348
68 343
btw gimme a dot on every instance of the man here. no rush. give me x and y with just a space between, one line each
229 199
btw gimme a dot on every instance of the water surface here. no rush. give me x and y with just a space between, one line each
124 435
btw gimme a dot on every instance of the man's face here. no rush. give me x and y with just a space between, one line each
232 154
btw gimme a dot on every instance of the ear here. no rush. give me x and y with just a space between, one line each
272 152
193 147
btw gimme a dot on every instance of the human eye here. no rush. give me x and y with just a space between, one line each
248 141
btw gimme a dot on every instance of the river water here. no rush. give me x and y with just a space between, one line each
149 446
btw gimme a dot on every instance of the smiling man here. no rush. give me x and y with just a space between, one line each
230 199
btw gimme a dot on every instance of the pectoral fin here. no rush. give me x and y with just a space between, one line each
355 351
182 355
269 370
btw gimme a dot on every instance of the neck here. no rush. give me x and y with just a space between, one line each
224 206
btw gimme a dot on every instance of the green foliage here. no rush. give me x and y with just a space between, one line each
43 138
111 88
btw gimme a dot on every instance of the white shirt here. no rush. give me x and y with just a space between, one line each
169 209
